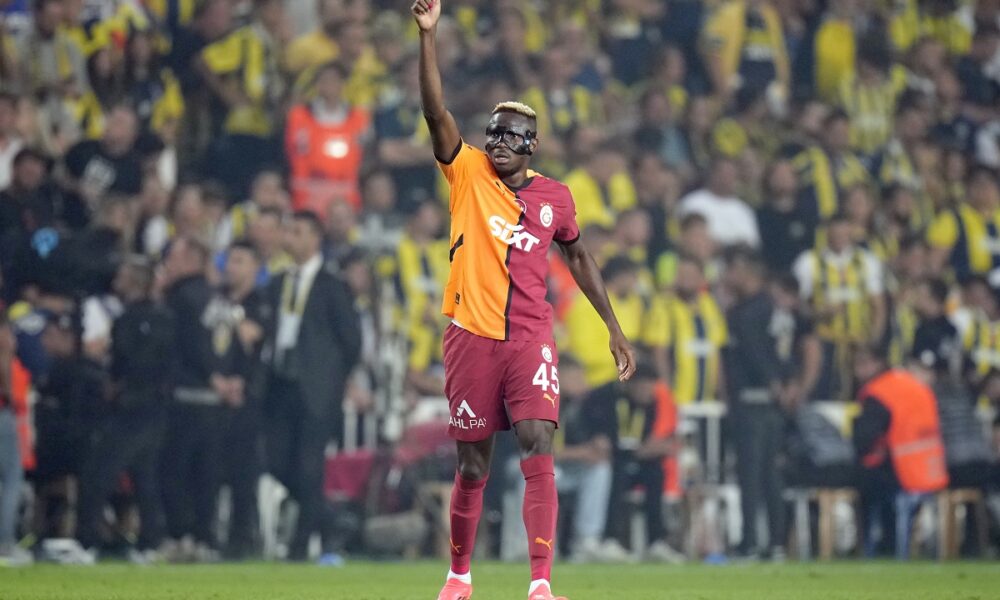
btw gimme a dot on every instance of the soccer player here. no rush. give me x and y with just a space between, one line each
501 367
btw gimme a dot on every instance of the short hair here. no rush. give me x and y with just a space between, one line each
876 351
195 245
693 220
644 371
31 153
311 219
142 269
980 170
746 257
910 100
986 29
691 259
618 265
889 191
334 65
214 192
837 114
787 282
874 50
569 361
355 256
839 217
270 211
912 241
970 281
938 289
246 245
9 97
513 106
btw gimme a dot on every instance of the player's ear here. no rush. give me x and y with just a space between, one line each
533 144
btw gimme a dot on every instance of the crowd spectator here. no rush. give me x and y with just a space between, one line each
730 219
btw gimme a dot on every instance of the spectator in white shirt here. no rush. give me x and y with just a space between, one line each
731 221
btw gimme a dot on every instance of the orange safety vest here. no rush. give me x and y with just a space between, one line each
20 386
325 159
665 426
913 440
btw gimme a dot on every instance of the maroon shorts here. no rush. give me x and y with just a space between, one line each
492 384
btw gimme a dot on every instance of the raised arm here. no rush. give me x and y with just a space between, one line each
444 130
588 276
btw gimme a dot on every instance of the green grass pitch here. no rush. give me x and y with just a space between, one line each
421 580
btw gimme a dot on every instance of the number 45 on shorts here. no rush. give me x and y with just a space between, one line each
545 377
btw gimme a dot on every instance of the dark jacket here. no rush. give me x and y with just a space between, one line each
752 361
187 299
329 340
142 356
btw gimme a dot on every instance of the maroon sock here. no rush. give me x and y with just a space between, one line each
466 508
540 508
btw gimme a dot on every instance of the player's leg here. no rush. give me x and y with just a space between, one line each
472 385
474 460
531 391
534 437
473 471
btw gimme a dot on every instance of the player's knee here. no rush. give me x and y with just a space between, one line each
535 437
473 470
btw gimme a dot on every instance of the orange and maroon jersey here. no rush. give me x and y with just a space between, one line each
500 239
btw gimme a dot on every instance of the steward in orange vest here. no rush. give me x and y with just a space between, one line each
898 431
15 386
324 141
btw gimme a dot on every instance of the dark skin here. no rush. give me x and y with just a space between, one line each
534 436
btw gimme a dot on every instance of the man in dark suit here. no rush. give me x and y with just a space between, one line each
313 344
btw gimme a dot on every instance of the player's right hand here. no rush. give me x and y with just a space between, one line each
427 13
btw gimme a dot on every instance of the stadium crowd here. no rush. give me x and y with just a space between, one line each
222 247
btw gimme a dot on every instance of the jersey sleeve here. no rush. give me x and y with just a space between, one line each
568 231
943 232
657 333
224 56
459 164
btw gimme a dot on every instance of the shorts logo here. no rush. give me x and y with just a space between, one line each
546 353
546 215
551 400
512 235
465 409
465 418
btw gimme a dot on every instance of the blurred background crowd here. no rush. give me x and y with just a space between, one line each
223 244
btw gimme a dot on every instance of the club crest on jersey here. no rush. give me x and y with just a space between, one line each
546 353
546 215
512 235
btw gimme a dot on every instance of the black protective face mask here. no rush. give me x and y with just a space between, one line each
516 139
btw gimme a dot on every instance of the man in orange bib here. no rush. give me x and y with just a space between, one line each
897 435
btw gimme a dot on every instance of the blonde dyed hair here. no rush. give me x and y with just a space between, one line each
515 107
